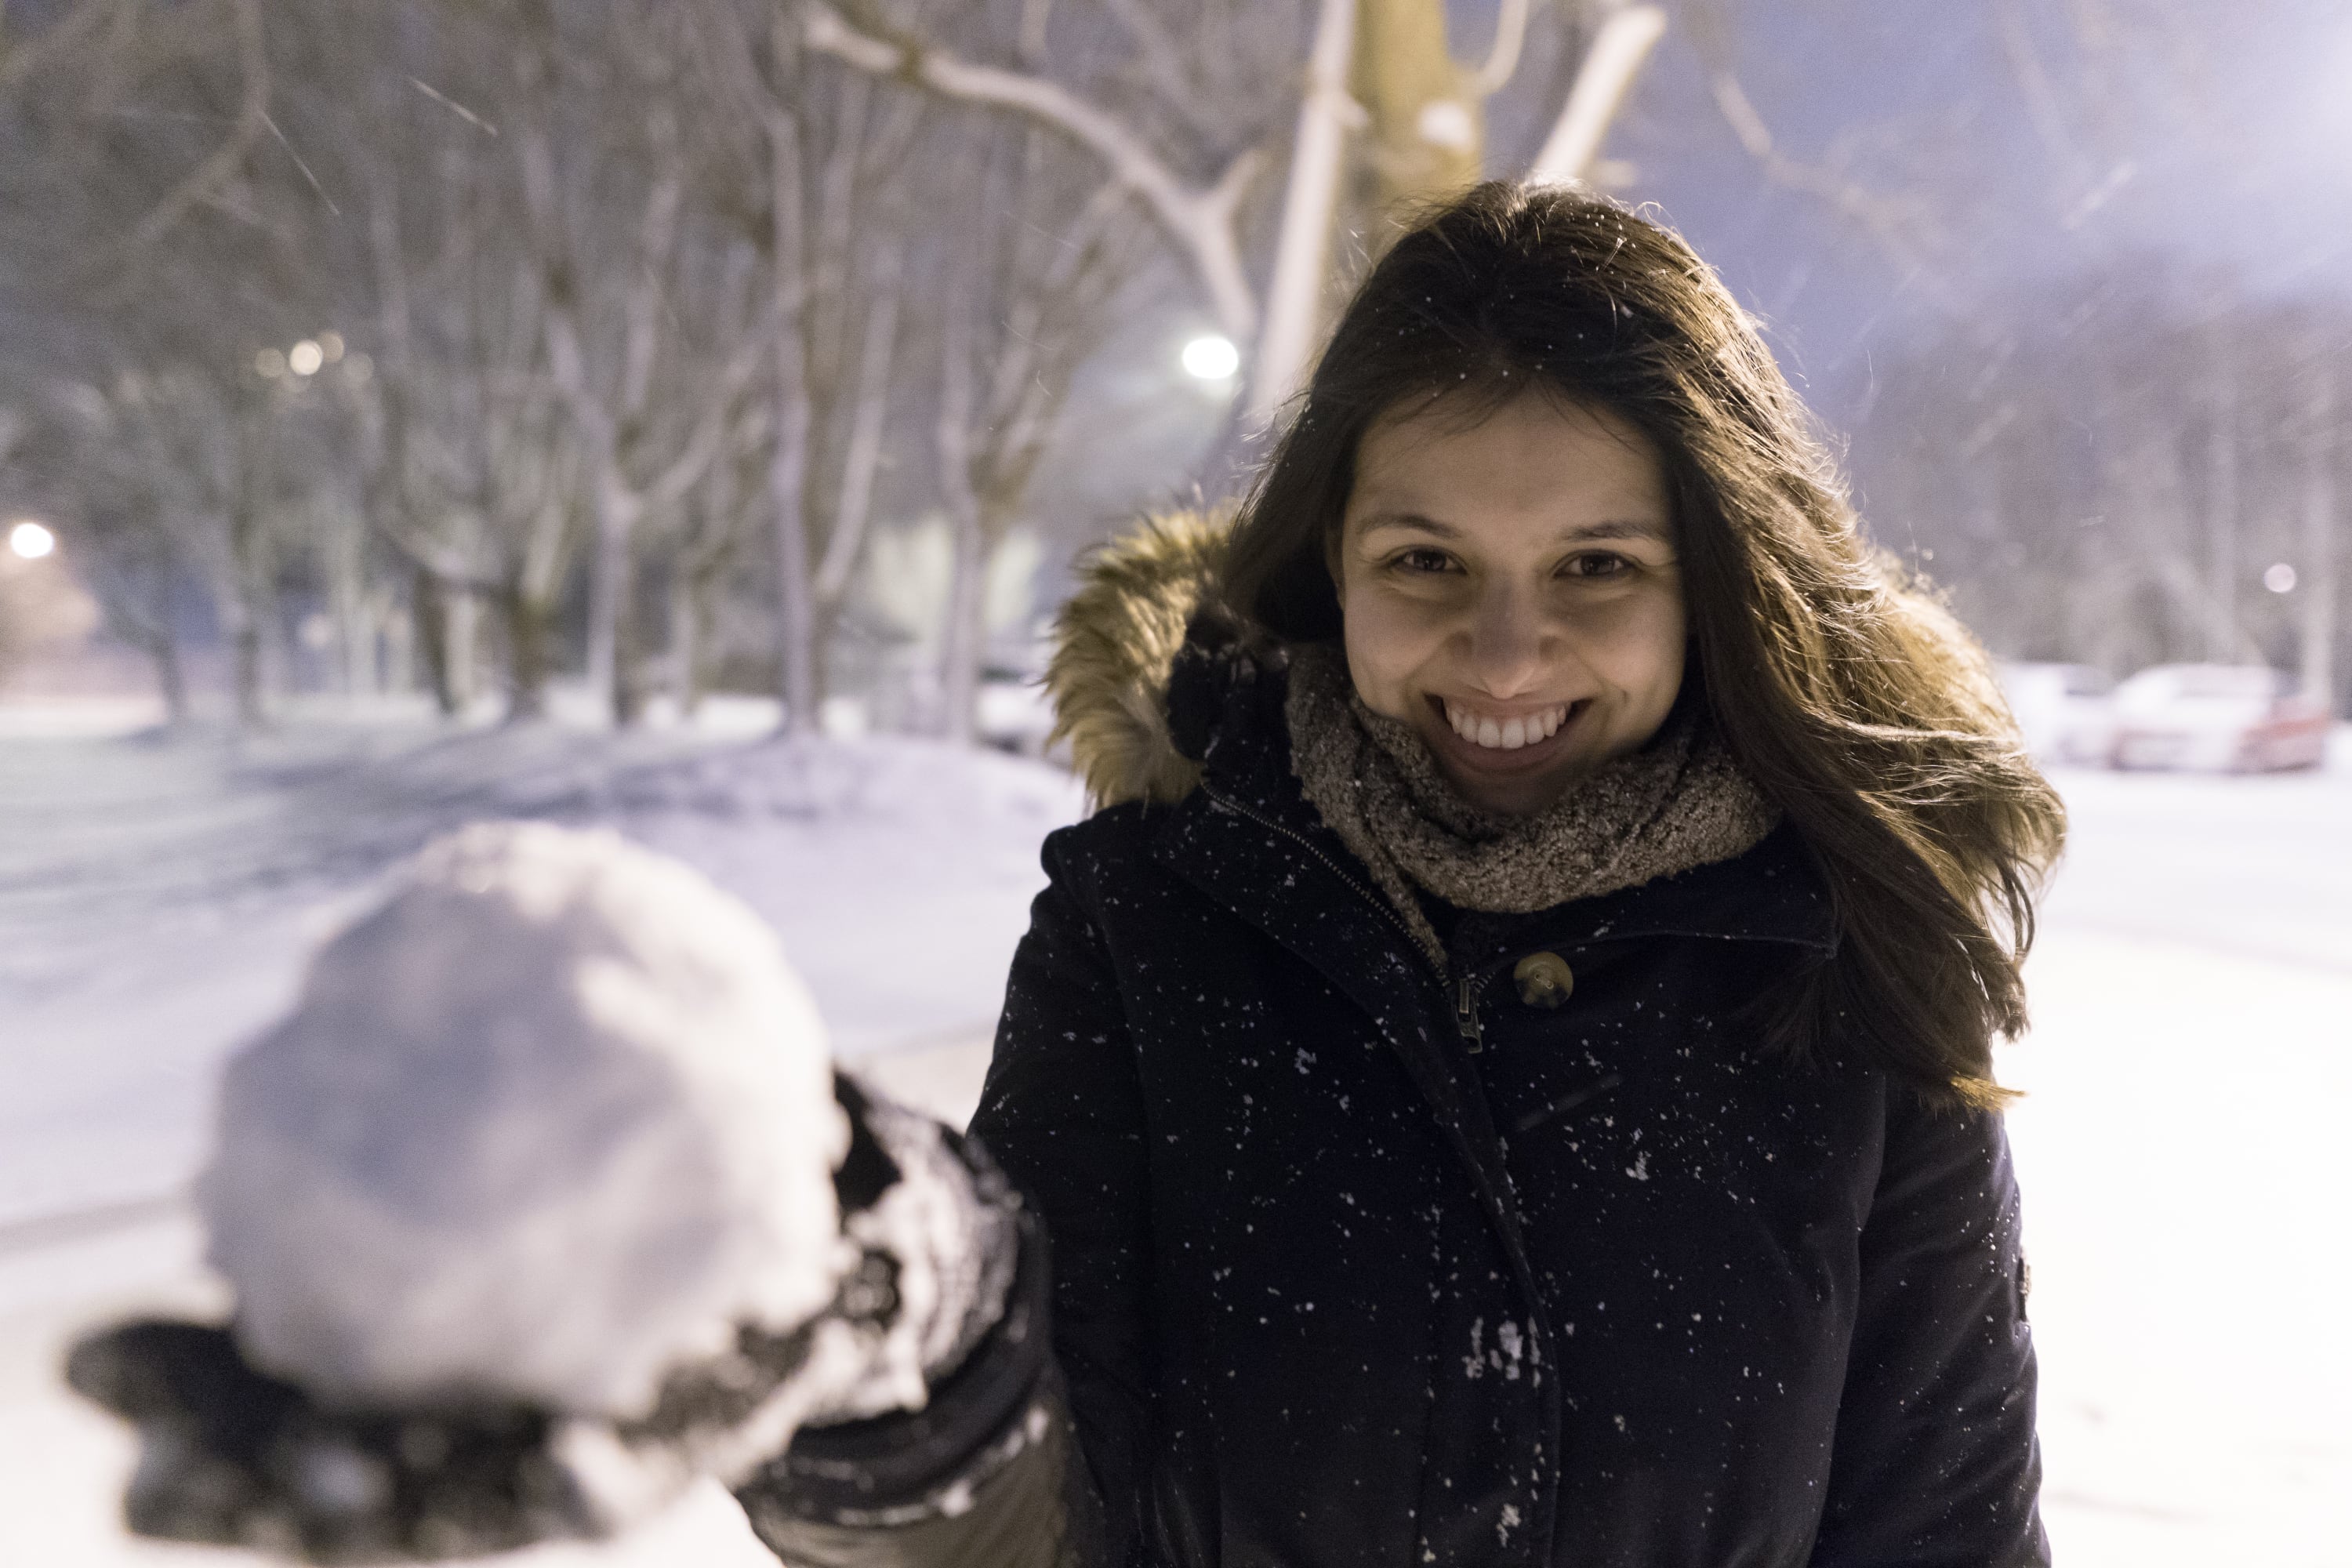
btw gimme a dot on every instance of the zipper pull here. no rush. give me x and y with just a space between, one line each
1465 1014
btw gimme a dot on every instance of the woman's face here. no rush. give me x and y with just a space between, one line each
1509 588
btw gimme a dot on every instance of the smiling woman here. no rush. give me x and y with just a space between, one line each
1508 586
1506 1074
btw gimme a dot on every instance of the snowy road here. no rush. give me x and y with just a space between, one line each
2188 1190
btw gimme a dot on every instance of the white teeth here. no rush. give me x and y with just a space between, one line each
1506 734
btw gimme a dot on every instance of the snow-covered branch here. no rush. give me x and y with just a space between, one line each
1294 300
1510 41
1163 62
1886 219
1614 59
1200 219
223 162
22 55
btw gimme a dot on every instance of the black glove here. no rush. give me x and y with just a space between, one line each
232 1455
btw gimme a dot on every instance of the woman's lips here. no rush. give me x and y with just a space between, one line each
1504 742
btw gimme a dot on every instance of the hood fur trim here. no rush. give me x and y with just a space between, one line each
1115 643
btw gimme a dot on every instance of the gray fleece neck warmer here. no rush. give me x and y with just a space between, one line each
1678 803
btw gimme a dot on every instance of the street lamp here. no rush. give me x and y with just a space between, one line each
305 358
1211 358
28 541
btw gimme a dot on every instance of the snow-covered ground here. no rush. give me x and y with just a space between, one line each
2188 1190
2187 1200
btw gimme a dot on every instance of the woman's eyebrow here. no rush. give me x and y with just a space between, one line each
1412 520
1620 528
1607 527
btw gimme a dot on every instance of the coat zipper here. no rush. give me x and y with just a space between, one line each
1378 903
1466 1013
1466 987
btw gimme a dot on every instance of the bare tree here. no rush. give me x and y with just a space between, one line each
806 159
2058 474
1029 287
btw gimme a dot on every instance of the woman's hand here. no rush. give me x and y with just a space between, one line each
233 1455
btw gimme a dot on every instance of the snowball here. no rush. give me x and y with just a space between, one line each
546 1125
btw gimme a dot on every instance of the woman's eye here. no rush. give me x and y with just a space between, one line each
1596 566
1422 561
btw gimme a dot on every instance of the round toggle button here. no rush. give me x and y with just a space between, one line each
1545 979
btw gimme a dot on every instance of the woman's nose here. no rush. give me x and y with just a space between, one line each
1507 641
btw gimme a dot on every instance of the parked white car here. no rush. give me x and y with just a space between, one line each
1015 714
2217 718
2064 710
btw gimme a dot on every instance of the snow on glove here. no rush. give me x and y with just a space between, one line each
542 1202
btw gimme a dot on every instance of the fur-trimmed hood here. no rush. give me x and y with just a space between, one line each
1115 646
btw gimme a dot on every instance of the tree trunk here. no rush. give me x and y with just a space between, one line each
347 606
1427 121
684 640
462 626
862 460
249 622
2321 548
962 634
171 680
429 603
529 632
629 692
2222 507
161 639
608 585
253 573
398 630
963 640
796 652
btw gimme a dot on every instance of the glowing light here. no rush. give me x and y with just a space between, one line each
1212 358
2280 579
270 364
29 541
331 345
305 358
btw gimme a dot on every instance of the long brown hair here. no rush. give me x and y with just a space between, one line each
1855 700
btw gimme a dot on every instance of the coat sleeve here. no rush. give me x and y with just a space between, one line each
981 1475
1935 1463
1063 1113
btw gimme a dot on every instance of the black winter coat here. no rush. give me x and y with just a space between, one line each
1359 1263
